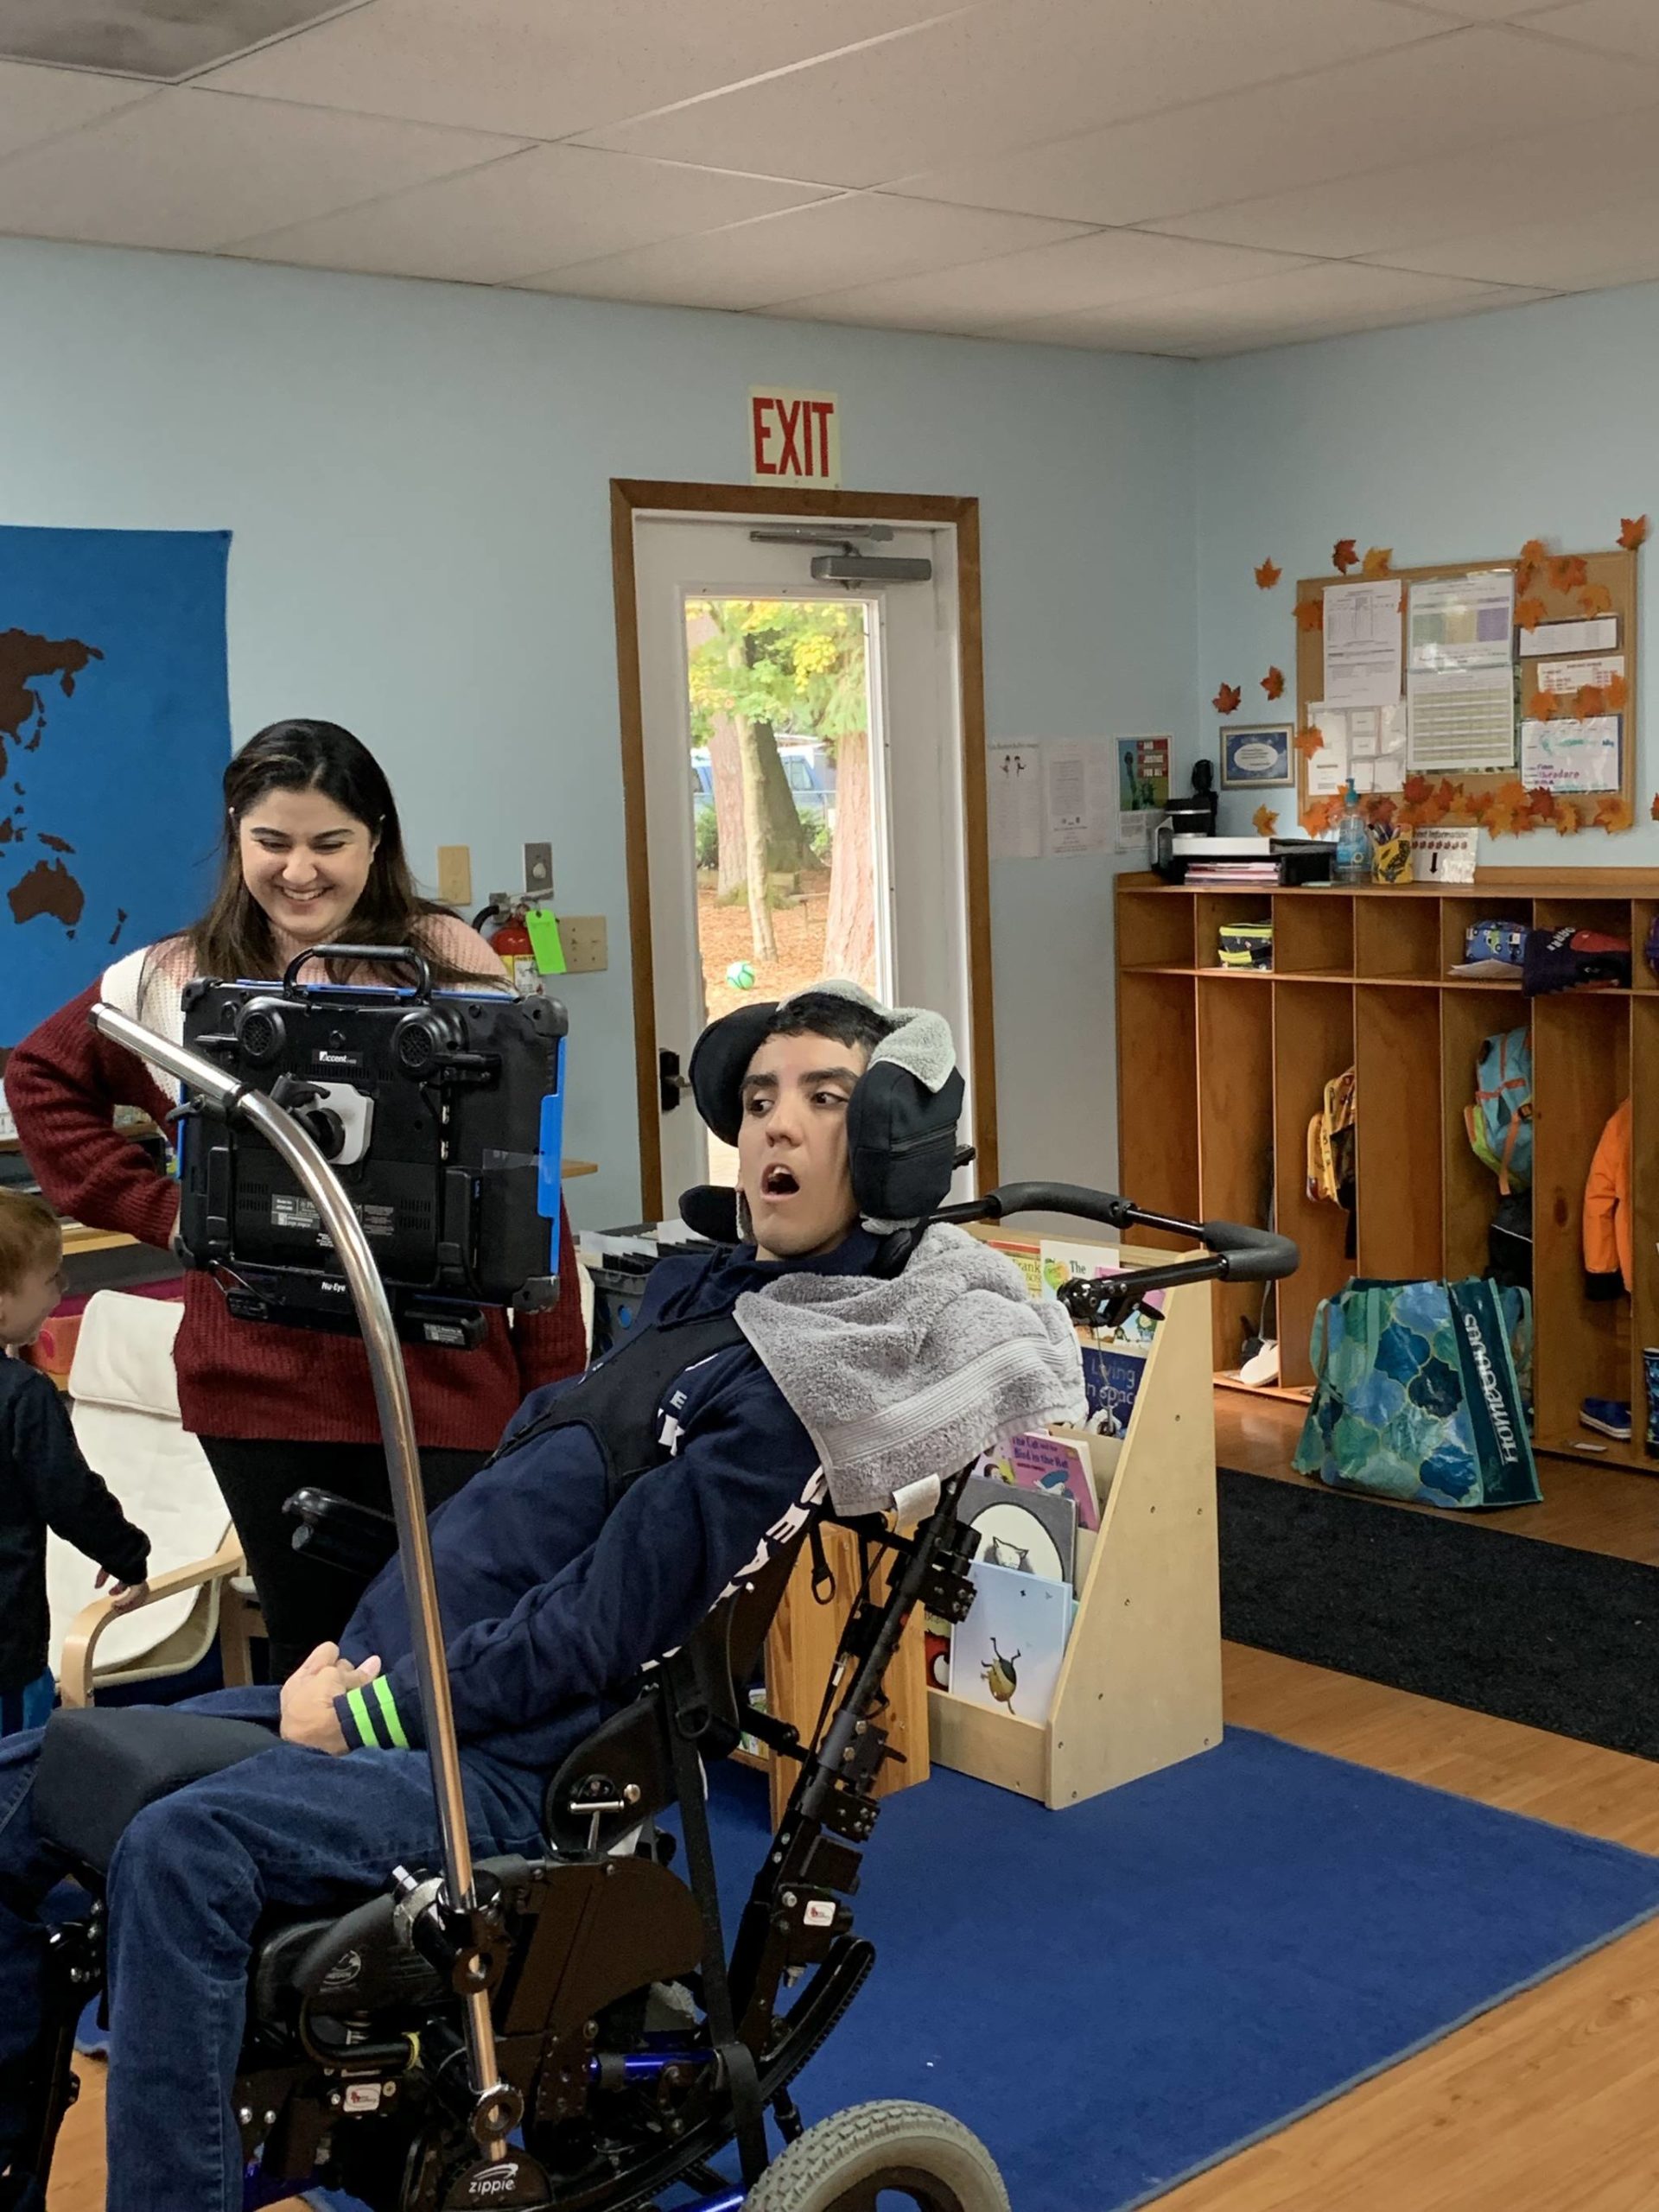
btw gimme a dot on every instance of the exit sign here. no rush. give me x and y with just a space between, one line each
794 437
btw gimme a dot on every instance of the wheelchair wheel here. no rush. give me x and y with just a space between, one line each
876 2156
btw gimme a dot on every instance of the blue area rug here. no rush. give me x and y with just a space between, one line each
1118 1996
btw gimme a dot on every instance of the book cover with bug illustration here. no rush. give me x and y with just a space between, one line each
1007 1654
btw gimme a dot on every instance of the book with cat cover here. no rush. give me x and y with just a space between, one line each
1032 1531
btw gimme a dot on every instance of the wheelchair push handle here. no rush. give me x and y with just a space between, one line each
1232 1251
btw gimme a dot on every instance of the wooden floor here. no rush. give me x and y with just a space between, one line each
1548 2104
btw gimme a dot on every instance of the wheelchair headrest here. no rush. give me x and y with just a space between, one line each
901 1119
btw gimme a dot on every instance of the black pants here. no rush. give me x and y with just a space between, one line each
306 1603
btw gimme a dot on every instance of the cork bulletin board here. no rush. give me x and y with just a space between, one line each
1552 591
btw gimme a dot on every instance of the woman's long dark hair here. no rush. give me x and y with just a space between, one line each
234 937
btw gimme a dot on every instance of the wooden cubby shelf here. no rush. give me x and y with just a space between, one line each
1220 1071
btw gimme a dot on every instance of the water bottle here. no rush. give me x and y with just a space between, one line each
1353 862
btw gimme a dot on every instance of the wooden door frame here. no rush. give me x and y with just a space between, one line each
632 496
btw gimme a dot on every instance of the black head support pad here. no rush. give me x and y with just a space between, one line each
901 1137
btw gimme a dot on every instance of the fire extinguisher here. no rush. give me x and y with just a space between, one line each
508 939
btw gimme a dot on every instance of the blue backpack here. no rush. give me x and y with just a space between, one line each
1500 1120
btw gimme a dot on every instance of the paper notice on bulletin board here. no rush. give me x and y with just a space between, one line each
1142 790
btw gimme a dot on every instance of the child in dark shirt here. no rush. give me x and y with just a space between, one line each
45 1483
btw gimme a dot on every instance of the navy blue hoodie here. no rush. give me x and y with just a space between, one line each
550 1605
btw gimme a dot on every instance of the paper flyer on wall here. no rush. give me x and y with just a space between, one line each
1142 790
1571 756
1362 632
1078 779
1014 793
1459 683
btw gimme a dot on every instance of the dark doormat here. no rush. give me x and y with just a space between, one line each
1559 1639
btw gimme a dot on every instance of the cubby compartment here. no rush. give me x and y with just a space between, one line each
1644 1224
1155 930
1313 1040
1397 1066
1609 916
1458 917
1313 933
1398 933
1645 912
1215 907
1235 1144
1581 1073
1158 1093
1470 1191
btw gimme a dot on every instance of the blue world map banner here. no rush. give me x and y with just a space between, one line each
115 728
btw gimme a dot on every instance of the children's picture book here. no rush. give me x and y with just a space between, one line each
1007 1654
1033 1531
1054 1462
1026 1255
1111 1380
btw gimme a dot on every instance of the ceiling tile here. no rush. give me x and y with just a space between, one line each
1085 272
1318 293
1455 89
860 238
37 103
1613 26
195 171
1007 75
1479 11
540 209
545 68
1197 330
1417 203
1583 252
156 40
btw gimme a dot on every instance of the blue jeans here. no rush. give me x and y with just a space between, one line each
190 1879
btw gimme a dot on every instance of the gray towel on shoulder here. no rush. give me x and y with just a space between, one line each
905 1381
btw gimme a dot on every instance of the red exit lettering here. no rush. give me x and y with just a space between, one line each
794 436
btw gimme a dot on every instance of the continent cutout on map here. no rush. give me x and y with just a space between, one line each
27 665
49 888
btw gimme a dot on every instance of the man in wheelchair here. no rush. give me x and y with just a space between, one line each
620 1516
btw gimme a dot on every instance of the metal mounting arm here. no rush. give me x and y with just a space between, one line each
497 2108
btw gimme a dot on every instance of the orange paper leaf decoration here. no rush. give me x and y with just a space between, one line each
1596 599
1310 614
1541 706
1377 560
1567 572
1525 575
1588 701
1541 806
1226 700
1567 823
1310 741
1264 820
1267 576
1344 555
1501 820
1417 790
1530 613
1535 550
1274 683
1617 693
1613 813
1632 531
1653 809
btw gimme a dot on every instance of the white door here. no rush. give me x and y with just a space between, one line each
859 690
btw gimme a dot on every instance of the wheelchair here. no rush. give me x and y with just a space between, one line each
572 2032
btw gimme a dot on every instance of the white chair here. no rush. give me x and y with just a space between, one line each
126 1411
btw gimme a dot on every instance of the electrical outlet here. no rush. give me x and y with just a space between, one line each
586 948
455 874
538 870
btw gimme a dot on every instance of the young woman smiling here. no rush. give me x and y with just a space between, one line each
312 855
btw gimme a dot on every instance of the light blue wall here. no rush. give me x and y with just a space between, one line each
1449 442
416 476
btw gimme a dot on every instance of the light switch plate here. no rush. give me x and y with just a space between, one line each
455 874
585 941
538 870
